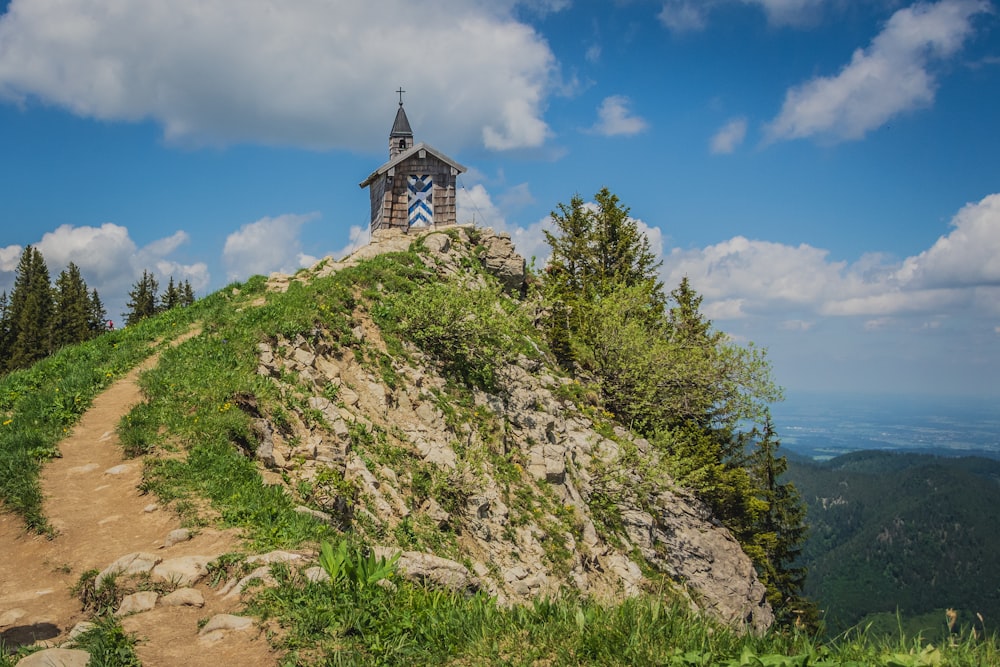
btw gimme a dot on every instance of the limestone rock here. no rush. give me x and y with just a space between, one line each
133 563
316 574
182 571
176 537
11 616
222 624
502 261
56 657
432 570
183 597
137 603
80 628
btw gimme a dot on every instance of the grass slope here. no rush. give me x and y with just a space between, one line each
194 437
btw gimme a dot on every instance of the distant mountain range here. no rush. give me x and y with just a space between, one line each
907 532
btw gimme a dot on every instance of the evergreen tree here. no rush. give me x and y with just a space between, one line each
98 319
598 248
142 299
4 330
30 311
172 296
187 294
666 373
780 531
71 320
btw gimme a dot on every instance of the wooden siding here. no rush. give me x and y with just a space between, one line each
389 193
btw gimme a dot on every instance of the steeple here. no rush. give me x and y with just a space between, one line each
401 136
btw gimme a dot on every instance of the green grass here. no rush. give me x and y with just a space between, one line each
39 405
201 401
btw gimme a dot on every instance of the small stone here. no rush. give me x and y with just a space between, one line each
151 507
11 616
134 563
177 536
137 603
182 571
276 556
56 657
316 574
183 597
221 624
80 628
118 470
233 590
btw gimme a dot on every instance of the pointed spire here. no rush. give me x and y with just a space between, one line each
401 136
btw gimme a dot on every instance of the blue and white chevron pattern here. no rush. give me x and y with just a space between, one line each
421 200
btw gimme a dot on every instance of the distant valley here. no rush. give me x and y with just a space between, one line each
903 515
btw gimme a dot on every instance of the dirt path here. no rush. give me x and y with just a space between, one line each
92 500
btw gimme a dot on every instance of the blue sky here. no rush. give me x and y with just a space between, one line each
825 172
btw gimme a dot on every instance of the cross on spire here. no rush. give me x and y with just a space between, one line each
400 91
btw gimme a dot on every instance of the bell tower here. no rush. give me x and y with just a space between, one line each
401 136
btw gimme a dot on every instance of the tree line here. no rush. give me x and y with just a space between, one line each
664 371
39 317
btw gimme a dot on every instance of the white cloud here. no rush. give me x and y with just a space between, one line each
475 205
304 73
109 261
9 258
265 246
789 12
684 15
692 15
100 252
968 255
729 137
615 119
358 237
742 278
888 78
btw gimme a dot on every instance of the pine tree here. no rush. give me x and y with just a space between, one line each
172 296
71 319
98 318
30 311
598 248
4 329
187 296
780 531
142 299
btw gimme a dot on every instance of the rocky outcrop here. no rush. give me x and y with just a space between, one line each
520 493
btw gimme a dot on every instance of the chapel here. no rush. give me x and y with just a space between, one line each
416 187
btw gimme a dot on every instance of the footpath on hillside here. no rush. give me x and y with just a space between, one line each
93 503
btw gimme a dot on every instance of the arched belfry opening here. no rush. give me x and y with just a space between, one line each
416 187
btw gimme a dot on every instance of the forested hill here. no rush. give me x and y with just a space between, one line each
907 532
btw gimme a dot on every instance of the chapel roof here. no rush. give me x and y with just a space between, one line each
413 150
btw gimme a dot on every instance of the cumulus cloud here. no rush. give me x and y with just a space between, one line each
789 12
729 137
475 205
358 237
969 255
684 15
302 73
890 77
266 246
741 277
691 15
109 260
9 257
615 119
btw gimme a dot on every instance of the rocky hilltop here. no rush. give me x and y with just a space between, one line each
523 489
